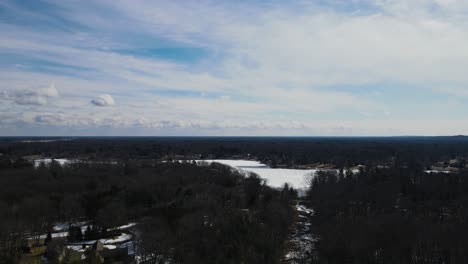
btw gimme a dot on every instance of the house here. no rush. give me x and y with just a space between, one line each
98 246
108 253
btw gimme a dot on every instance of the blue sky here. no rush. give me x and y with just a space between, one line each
291 68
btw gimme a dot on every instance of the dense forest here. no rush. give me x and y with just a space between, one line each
186 213
389 211
390 215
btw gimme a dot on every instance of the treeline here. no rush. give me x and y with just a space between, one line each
342 152
185 213
394 215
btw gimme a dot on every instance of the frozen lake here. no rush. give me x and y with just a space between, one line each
274 177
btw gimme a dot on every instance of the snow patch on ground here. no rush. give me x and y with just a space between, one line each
63 226
305 210
301 240
78 248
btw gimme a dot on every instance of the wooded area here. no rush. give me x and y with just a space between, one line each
390 211
392 215
186 213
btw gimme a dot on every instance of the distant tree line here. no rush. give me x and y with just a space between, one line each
342 152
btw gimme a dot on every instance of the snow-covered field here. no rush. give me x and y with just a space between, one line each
48 161
62 162
438 171
274 177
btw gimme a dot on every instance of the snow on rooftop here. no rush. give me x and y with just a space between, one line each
127 226
55 235
110 246
124 237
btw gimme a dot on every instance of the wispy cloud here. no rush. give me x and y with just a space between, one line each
234 66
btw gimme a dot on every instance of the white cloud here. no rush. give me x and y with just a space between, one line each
29 98
103 100
268 66
40 96
314 46
50 92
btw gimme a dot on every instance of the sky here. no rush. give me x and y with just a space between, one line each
233 68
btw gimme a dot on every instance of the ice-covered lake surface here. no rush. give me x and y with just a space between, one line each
274 177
